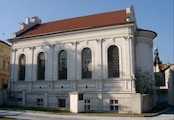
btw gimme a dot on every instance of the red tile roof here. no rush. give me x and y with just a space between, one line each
91 21
164 67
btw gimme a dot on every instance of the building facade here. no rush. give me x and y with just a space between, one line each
164 74
95 56
170 78
165 84
5 50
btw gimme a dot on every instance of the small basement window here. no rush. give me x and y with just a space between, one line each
87 104
19 99
39 101
114 105
80 96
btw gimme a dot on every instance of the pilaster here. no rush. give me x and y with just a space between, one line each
23 98
46 100
49 51
99 60
12 70
128 57
15 65
78 61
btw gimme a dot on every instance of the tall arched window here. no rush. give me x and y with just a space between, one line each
113 62
22 64
86 63
62 64
41 66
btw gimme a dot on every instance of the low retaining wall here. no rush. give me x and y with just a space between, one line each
147 102
142 103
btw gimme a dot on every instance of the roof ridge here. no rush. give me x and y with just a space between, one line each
79 23
84 16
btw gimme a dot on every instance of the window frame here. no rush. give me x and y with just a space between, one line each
87 104
116 61
40 101
114 105
60 73
62 103
40 68
22 67
86 64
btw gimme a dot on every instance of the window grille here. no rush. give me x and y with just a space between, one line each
41 66
22 64
86 63
114 105
62 64
113 62
40 102
87 104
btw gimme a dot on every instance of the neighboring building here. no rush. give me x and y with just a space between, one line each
5 50
91 58
164 74
169 77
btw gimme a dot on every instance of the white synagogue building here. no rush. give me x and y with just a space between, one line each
80 64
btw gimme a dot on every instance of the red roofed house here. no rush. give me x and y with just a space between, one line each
164 75
80 64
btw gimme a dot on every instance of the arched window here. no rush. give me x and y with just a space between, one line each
86 63
41 66
113 62
22 64
62 65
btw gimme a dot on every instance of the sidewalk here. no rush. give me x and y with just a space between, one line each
38 115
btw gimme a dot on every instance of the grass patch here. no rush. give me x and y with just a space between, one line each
33 108
111 114
6 118
104 114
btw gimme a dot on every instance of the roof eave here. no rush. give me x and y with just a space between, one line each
5 43
151 33
68 31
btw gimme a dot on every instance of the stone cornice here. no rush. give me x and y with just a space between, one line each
146 33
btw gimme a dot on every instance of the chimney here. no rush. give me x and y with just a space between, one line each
27 20
34 19
27 25
14 34
130 14
22 25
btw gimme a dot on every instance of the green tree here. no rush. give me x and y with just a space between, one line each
145 83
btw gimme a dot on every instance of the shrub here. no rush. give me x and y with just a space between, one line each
145 83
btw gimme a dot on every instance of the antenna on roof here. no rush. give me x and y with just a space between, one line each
4 38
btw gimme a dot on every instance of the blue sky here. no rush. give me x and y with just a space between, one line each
155 15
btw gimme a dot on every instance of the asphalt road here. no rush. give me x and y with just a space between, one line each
28 115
